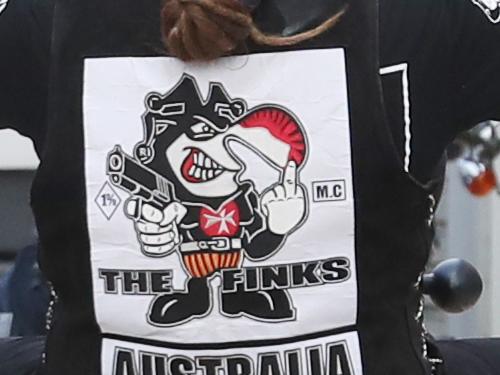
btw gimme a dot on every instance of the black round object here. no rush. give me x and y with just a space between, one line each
455 285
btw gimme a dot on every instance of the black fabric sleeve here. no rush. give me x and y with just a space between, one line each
418 34
24 51
476 62
451 50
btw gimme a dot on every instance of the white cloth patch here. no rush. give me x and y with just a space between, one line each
220 207
3 5
335 355
491 8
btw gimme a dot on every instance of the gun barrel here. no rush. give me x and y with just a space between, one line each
137 179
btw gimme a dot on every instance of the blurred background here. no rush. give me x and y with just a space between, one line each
467 222
18 163
24 295
467 226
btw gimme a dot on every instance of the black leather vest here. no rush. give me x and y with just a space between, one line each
324 280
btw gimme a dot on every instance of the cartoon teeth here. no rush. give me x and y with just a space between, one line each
204 168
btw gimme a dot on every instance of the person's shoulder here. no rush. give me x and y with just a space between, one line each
25 45
410 28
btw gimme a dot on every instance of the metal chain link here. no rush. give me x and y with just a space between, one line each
49 316
432 209
419 318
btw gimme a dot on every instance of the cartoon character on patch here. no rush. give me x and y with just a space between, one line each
187 196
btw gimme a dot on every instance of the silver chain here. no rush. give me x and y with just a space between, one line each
419 317
432 209
49 316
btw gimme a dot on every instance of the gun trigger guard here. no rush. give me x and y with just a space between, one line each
136 214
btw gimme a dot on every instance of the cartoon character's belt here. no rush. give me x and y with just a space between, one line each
215 244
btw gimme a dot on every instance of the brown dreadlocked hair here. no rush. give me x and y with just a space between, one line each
203 30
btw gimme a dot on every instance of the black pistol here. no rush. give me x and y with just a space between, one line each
139 181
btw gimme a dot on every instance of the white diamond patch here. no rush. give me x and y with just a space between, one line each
107 200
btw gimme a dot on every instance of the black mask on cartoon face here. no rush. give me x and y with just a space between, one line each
188 138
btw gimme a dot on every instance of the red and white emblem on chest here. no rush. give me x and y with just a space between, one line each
225 222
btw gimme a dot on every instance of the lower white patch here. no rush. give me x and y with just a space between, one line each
333 355
491 8
208 214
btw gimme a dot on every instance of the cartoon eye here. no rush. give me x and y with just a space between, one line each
238 108
202 129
